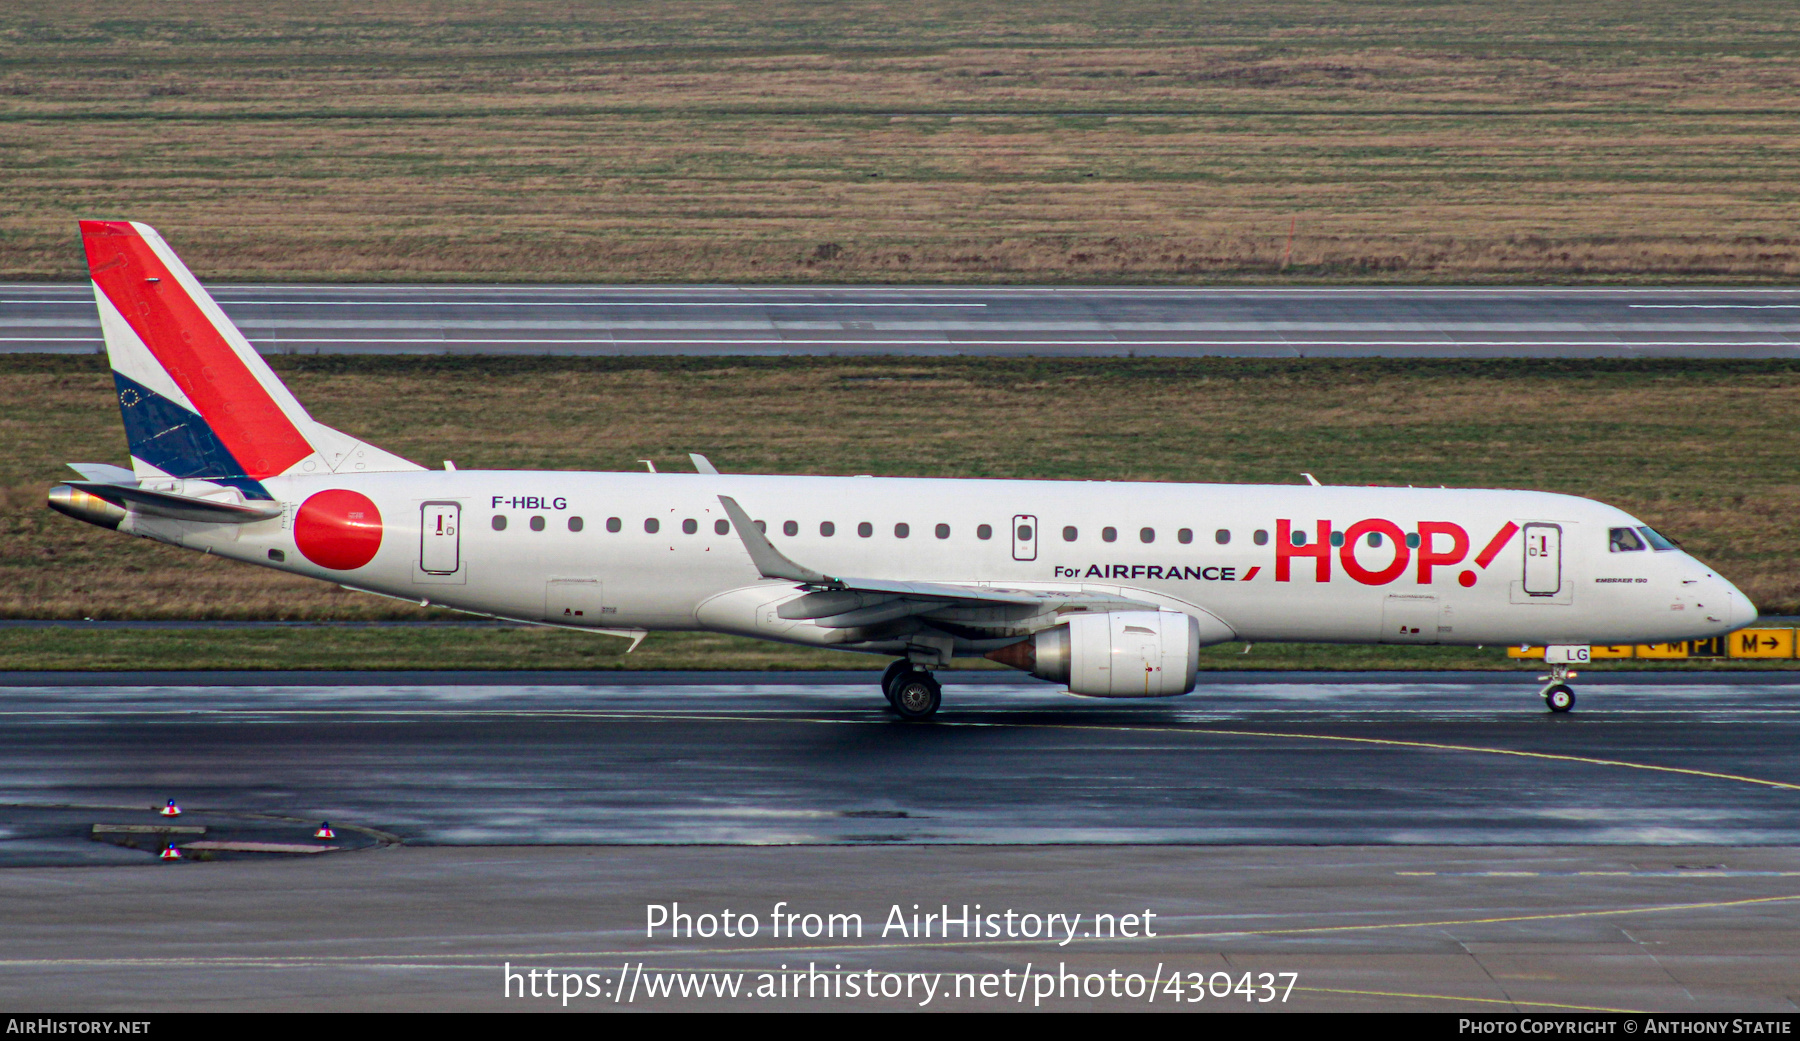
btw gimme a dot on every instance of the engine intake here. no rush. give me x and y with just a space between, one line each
1115 654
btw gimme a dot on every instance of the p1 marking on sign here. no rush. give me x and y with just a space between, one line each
1761 643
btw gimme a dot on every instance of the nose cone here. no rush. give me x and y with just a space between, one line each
1739 611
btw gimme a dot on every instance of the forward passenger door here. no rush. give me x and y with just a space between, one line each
1543 559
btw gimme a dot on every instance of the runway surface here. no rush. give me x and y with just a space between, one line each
1397 842
752 760
965 320
1482 929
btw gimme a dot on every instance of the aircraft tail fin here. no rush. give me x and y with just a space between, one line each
197 399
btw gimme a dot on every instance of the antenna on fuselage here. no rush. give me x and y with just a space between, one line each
1310 479
648 465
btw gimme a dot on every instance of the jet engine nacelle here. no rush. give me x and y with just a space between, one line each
1115 654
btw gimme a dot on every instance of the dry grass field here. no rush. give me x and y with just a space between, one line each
1041 140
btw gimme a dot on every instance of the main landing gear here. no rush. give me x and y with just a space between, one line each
911 691
1558 695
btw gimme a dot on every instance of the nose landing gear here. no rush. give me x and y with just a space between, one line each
1558 695
913 693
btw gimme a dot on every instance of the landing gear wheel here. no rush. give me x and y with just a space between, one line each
898 669
1559 697
916 696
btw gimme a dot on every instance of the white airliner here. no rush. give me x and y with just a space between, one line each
1109 588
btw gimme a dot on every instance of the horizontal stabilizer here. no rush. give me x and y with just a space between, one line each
178 507
105 473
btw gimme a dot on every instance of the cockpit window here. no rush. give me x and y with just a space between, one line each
1657 542
1625 540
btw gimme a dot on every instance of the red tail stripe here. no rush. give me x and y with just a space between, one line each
1495 545
229 396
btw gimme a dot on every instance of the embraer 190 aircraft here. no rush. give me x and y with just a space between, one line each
1109 588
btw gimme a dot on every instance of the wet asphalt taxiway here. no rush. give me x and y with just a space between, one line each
1274 758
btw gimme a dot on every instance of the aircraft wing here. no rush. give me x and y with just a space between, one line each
835 600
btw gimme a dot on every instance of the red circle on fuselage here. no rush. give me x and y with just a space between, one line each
338 529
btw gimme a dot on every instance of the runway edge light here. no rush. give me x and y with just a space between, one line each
170 809
324 831
170 852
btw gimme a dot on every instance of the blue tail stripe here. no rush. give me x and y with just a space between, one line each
177 441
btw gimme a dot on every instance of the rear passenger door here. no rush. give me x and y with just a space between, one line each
440 538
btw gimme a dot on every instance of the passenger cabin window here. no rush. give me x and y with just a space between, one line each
721 527
1624 540
613 524
943 531
1375 539
1298 538
1412 540
1337 538
1146 535
984 531
1657 542
827 529
499 522
1261 538
652 525
1222 537
537 524
1109 534
790 528
689 526
1184 536
901 530
865 529
1070 534
576 524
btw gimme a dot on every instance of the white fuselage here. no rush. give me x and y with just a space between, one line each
1242 583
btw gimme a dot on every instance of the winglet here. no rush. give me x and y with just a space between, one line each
769 561
703 465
